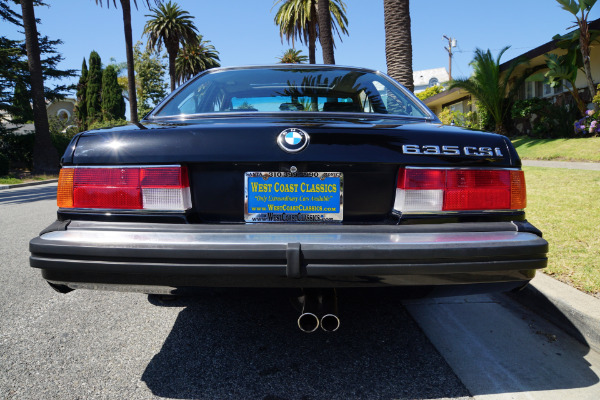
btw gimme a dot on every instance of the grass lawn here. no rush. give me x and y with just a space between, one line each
13 179
565 205
578 149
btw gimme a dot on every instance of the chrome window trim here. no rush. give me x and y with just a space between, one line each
256 114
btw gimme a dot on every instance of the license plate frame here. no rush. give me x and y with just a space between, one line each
293 197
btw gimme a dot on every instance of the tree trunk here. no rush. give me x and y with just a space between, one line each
325 36
398 41
45 156
584 42
578 100
172 51
133 115
500 129
312 33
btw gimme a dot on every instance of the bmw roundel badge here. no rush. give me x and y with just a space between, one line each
293 140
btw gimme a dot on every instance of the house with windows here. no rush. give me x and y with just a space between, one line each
459 100
429 77
63 109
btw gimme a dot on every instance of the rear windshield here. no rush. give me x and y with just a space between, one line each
273 90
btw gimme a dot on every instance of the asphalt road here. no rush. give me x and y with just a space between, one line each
244 344
224 344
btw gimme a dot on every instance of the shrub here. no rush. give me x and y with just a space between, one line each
61 141
588 125
539 118
4 164
471 119
107 124
18 148
430 91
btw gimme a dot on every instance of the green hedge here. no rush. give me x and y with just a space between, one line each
541 119
18 149
4 164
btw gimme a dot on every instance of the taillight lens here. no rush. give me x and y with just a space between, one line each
431 190
124 188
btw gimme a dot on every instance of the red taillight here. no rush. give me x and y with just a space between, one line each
124 188
430 190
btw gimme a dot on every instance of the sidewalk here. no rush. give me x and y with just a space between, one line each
35 183
562 164
575 312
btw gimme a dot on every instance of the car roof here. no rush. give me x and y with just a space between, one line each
295 66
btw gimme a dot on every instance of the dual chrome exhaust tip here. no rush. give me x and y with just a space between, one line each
309 322
319 302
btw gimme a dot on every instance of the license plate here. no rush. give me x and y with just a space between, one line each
293 196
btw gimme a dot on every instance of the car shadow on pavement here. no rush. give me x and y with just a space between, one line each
233 344
21 196
538 303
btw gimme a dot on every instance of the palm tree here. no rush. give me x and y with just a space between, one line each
126 6
193 59
297 19
292 56
398 41
490 87
170 25
45 156
581 11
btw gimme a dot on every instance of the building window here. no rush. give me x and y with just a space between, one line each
530 90
548 91
567 85
457 107
559 89
433 82
63 115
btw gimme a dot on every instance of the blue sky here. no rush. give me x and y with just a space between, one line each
244 32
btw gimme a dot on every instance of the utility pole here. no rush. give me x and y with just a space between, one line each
451 44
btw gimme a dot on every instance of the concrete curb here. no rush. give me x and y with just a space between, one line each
18 185
575 312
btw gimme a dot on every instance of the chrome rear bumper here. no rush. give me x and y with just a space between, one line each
89 254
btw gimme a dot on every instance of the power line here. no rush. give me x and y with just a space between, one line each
512 48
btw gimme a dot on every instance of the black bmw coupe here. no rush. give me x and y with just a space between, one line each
313 177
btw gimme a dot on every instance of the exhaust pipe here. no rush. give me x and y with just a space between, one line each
329 321
318 302
308 321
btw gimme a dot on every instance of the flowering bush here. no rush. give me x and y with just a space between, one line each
589 124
